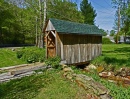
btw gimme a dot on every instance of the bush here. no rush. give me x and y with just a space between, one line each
31 54
106 41
19 54
54 62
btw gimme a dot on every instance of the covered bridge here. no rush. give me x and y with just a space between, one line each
73 42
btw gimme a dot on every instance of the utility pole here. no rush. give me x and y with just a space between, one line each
118 24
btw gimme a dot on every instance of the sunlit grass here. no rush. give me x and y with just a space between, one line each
48 85
8 58
114 54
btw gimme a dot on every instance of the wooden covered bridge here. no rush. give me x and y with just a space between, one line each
73 42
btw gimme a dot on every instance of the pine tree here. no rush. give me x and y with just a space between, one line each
88 12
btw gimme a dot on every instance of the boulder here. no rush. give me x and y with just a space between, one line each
89 84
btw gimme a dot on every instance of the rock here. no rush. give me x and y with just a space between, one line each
100 69
89 84
68 69
64 66
128 77
13 49
123 73
106 96
100 89
94 90
106 74
69 76
91 66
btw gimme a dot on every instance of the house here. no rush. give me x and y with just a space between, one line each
74 43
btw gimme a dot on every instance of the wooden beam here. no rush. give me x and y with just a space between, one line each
62 49
53 33
47 34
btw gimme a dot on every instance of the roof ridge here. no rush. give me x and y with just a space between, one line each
71 22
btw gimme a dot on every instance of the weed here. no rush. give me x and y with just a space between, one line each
54 62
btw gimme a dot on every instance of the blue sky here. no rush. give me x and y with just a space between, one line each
105 13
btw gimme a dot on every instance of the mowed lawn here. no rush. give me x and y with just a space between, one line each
114 54
9 58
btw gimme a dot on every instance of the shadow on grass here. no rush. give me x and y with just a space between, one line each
113 60
124 49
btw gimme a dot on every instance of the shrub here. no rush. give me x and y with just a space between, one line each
19 53
31 54
54 62
106 41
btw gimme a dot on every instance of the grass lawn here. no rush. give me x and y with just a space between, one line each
48 85
9 58
51 84
20 56
117 55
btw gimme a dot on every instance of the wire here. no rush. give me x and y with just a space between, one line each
107 3
101 6
106 12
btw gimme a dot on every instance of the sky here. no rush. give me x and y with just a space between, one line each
105 13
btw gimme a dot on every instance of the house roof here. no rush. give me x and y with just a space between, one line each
68 27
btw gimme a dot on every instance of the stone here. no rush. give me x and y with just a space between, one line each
91 66
106 74
100 69
68 69
89 84
123 73
105 96
69 76
64 66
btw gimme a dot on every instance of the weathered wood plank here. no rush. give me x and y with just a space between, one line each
79 48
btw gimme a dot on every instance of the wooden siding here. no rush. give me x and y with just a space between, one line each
78 48
49 26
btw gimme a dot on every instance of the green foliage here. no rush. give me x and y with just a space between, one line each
106 41
116 37
112 33
88 12
31 54
62 9
104 33
16 24
54 62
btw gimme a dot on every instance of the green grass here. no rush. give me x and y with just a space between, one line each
49 85
29 55
114 54
8 58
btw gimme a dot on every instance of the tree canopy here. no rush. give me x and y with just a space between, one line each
21 21
88 12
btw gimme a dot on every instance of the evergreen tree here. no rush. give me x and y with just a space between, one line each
88 12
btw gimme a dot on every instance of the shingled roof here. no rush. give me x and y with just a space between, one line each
68 27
